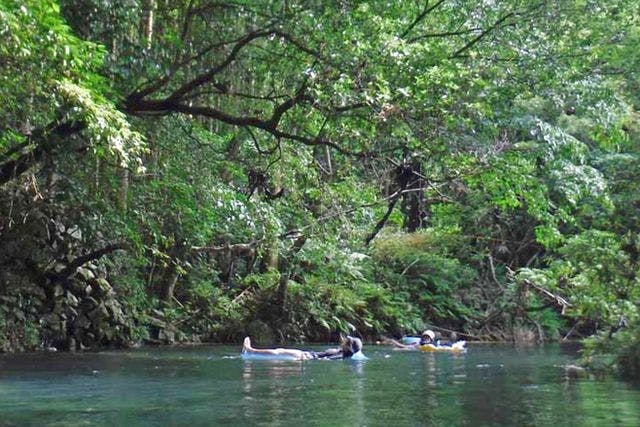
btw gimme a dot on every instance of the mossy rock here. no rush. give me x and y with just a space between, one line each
85 274
167 336
99 313
82 322
101 287
72 300
58 291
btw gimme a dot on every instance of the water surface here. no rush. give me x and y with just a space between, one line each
211 385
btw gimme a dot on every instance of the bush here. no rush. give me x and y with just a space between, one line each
618 352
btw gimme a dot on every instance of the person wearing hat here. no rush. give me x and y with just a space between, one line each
349 346
428 337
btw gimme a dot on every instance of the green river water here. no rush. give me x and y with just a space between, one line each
211 385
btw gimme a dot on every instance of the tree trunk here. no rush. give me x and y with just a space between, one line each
271 256
232 155
413 200
123 191
148 16
286 266
169 283
169 278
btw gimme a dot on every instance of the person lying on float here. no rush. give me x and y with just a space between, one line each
350 348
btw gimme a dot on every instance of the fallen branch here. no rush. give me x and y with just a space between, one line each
562 302
238 248
573 328
241 295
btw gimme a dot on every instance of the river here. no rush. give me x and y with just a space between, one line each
211 385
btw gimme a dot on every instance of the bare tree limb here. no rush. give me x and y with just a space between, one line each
81 260
497 25
235 248
483 34
444 34
427 9
562 302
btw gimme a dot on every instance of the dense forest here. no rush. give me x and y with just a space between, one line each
198 170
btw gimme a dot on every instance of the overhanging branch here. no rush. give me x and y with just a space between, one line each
83 259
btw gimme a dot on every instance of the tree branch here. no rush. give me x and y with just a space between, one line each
269 125
562 302
238 248
483 34
383 220
420 17
81 260
443 34
208 76
497 25
201 79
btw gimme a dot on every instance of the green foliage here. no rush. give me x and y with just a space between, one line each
19 328
597 276
421 266
334 290
618 352
39 51
550 321
106 127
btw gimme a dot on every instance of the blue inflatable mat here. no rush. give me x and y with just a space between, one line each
247 355
359 356
410 340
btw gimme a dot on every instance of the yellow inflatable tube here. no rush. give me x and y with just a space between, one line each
458 347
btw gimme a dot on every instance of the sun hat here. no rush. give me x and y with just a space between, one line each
429 333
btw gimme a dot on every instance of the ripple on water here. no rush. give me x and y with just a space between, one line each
490 385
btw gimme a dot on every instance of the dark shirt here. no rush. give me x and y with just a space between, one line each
332 354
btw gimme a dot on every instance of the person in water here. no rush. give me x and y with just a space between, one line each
348 347
428 337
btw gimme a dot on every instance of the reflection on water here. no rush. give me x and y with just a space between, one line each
284 391
490 385
274 374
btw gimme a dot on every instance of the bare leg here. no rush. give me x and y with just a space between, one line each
298 354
